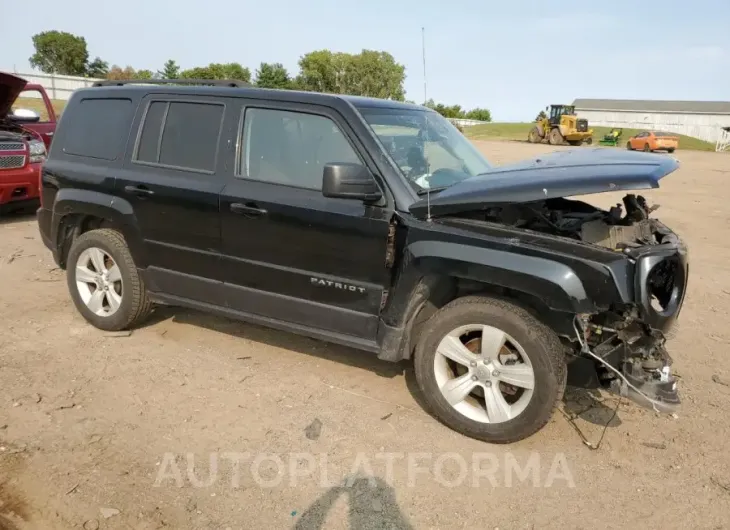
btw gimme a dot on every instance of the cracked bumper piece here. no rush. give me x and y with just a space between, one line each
649 386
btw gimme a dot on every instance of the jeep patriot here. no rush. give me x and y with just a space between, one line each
374 224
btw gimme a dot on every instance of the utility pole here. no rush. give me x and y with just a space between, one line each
423 46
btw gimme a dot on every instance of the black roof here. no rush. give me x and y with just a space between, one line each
227 88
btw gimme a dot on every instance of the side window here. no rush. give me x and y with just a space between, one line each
181 134
33 99
98 128
292 148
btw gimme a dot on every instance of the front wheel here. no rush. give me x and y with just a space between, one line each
555 138
490 370
534 136
647 148
104 283
628 146
670 151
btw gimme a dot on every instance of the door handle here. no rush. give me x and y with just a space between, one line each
138 190
249 209
49 133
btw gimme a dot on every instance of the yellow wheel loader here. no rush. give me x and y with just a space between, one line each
560 127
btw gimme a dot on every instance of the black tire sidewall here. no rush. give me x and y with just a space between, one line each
121 318
549 380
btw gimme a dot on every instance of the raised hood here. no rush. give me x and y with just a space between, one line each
579 171
10 87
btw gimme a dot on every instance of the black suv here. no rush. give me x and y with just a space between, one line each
373 224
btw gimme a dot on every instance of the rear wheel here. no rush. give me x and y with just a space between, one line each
556 138
534 136
589 140
670 150
490 370
104 283
647 148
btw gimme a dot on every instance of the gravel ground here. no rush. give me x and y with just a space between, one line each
198 422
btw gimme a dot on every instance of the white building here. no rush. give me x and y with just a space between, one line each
701 119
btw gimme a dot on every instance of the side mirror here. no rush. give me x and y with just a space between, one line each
343 180
25 116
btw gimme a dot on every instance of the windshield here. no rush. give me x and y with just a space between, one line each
428 149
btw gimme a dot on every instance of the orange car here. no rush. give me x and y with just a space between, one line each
653 141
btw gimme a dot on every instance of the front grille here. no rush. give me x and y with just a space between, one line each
12 146
12 161
582 125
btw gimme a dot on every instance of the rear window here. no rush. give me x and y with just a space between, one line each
97 128
181 134
657 134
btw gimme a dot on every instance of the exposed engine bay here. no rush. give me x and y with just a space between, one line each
11 131
618 228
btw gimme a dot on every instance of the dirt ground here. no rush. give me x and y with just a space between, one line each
100 431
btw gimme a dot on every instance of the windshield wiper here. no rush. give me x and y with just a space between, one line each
426 191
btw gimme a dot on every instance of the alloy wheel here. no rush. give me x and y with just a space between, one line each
484 374
99 281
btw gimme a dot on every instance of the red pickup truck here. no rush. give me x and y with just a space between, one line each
25 137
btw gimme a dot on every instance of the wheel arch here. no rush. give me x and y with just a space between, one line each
551 291
78 211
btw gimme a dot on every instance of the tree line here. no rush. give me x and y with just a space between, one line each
368 73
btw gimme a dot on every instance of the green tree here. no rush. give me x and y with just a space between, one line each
170 70
452 111
144 74
97 68
374 74
59 52
317 72
273 75
218 71
479 114
541 116
369 73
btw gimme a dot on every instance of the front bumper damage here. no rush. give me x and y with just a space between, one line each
629 343
631 359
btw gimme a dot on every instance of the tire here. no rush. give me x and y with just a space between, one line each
575 142
555 138
589 140
628 146
534 136
540 345
132 304
647 148
670 151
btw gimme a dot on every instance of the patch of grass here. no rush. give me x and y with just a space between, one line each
519 131
39 106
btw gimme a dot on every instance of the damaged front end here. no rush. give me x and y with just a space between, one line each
609 282
625 333
631 358
628 342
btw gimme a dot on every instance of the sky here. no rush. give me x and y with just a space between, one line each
512 57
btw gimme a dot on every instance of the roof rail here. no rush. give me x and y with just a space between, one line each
211 82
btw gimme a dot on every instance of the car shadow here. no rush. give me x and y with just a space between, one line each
279 339
371 504
583 398
17 216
